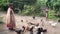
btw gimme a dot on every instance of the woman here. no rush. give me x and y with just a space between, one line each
10 21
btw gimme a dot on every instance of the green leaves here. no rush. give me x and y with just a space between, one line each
51 14
1 18
3 4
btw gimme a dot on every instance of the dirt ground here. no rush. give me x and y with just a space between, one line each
47 25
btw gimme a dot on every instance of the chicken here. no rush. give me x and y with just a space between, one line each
53 24
33 17
21 20
40 30
50 22
19 31
31 29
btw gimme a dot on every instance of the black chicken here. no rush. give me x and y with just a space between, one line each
31 30
20 30
41 30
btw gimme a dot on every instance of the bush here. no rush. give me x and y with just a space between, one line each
42 14
51 14
3 7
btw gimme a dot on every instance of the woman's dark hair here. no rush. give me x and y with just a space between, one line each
11 5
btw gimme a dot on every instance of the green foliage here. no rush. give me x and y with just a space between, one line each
33 7
4 4
1 18
51 14
29 2
55 6
27 10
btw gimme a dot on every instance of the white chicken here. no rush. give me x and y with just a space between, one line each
42 33
50 22
53 24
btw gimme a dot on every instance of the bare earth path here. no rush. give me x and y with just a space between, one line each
51 30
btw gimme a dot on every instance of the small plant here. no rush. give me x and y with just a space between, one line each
1 19
51 14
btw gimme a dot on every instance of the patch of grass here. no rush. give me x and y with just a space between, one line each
1 18
51 15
